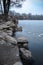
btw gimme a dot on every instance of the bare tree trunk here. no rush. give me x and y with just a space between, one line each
6 7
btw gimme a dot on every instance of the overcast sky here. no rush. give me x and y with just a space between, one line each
31 6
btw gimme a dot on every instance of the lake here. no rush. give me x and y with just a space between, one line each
33 31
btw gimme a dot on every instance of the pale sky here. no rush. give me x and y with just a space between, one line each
31 6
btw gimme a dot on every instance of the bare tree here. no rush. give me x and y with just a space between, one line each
7 3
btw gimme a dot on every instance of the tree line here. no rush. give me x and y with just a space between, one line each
29 16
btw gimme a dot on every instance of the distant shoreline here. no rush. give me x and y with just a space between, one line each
30 19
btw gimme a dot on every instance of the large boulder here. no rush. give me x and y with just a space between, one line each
26 46
2 41
22 42
7 38
26 54
10 39
9 32
19 28
7 25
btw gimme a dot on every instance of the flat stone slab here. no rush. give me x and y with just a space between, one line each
4 26
18 63
9 55
22 40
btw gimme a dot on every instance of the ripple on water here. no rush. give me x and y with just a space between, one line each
37 34
32 33
40 35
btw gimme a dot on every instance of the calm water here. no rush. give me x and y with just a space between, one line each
33 31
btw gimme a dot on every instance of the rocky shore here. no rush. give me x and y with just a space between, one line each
13 50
